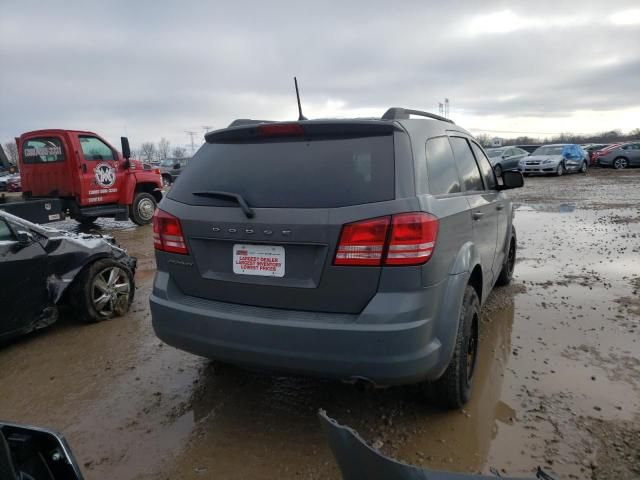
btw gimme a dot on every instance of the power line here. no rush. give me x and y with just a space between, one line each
193 145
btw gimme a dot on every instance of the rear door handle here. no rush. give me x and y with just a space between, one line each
477 215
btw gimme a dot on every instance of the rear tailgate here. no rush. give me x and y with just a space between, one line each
302 190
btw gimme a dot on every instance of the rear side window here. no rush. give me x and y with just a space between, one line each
42 150
485 167
5 231
441 168
95 149
323 173
469 173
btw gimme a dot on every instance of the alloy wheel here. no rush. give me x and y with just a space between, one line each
110 290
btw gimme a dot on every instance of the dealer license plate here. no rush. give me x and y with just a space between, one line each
263 260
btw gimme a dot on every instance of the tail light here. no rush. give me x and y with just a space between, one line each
412 239
362 243
156 170
167 233
402 239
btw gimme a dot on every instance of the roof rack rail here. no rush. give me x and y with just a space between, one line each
247 121
398 113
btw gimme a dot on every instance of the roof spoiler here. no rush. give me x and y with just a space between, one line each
398 113
247 121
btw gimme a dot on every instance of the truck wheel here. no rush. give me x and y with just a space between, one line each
506 274
102 290
142 208
453 388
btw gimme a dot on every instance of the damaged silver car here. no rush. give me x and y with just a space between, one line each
43 269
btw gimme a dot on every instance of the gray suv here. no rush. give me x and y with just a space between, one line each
350 249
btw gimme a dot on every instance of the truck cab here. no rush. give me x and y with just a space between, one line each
89 176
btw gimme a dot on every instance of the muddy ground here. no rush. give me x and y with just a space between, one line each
558 382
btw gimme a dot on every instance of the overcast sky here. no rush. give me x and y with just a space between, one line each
153 69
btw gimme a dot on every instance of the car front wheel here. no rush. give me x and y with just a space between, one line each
583 168
560 170
453 388
103 290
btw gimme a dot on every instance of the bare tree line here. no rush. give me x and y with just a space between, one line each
151 152
612 136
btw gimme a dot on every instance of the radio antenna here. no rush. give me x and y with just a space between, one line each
300 115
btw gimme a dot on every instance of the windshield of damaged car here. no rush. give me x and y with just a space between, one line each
549 150
495 153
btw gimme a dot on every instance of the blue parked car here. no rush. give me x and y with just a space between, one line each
555 160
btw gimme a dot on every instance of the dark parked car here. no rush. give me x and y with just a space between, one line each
528 148
621 156
357 249
42 269
170 169
505 158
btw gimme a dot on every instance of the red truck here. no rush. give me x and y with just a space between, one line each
79 174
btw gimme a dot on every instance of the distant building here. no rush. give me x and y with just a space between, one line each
497 142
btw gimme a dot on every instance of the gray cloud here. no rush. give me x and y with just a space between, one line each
158 70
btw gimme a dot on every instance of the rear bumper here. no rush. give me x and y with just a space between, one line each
390 343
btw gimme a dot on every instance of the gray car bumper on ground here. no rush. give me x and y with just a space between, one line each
388 346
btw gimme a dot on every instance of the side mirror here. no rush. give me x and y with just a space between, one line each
34 452
24 238
176 166
126 150
511 180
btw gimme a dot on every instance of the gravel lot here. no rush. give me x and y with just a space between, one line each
558 382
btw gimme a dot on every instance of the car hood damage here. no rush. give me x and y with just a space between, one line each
70 252
357 460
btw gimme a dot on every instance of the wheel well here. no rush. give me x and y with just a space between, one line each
150 188
475 280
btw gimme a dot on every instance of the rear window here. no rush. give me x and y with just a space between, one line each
292 174
42 150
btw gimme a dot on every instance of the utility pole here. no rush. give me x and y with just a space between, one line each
446 108
207 128
193 144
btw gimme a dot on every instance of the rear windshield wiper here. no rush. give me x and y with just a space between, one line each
248 211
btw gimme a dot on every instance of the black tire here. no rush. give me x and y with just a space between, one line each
453 388
583 167
560 170
620 163
87 221
498 170
94 283
506 274
144 204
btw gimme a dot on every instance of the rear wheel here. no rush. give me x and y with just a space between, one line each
142 209
103 290
453 388
620 163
